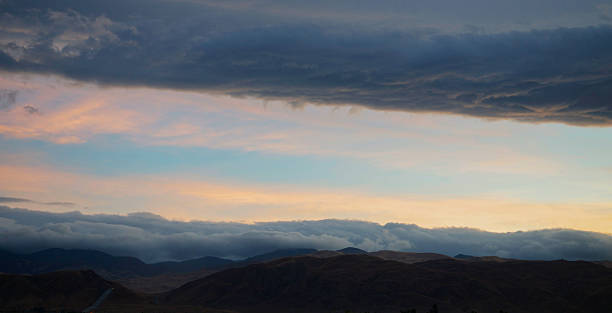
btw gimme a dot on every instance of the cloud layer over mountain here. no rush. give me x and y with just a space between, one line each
536 68
154 238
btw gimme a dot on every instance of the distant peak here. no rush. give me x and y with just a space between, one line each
70 251
352 250
464 256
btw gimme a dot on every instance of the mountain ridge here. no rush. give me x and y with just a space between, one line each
165 276
355 282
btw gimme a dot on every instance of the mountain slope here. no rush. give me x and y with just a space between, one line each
366 283
276 254
207 262
352 250
59 291
110 266
408 257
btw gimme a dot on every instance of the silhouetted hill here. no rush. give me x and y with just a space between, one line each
129 271
408 257
120 267
366 283
207 262
383 281
55 259
607 264
277 254
490 258
59 259
12 263
352 250
325 254
462 256
70 291
196 269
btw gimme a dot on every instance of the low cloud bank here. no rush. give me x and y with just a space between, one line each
153 238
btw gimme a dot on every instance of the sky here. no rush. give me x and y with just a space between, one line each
476 117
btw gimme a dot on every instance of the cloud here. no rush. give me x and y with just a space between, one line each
59 203
154 238
13 200
180 196
30 109
605 12
547 75
22 200
7 99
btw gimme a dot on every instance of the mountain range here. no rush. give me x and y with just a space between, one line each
300 281
164 276
55 259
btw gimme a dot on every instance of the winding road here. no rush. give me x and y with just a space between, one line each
99 301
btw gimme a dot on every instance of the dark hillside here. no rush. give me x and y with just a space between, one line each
365 283
59 291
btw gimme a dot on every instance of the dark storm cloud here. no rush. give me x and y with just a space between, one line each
153 238
560 75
